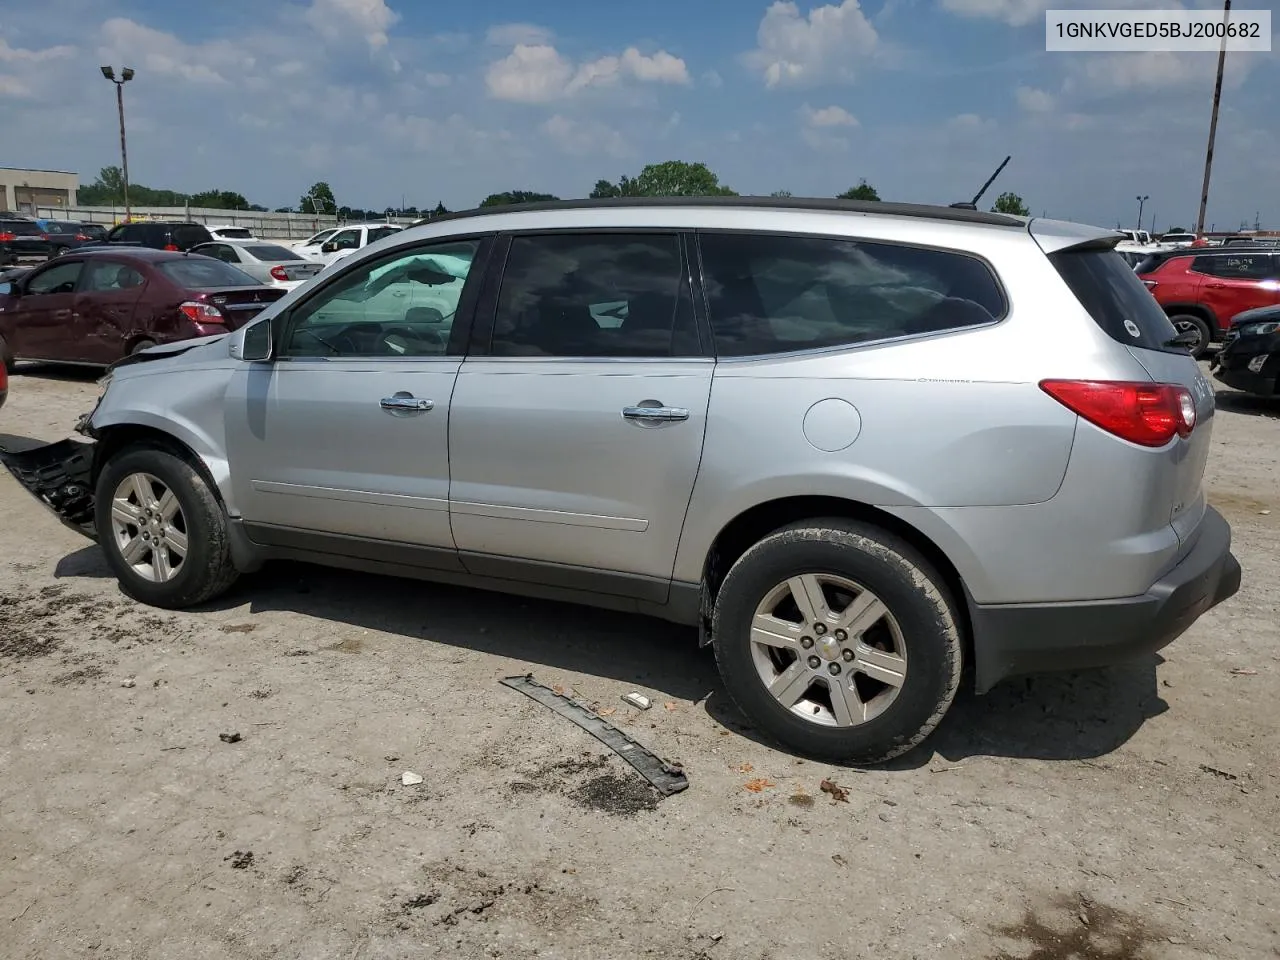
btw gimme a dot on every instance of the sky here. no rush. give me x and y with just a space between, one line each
431 101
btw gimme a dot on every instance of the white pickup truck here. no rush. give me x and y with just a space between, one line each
348 238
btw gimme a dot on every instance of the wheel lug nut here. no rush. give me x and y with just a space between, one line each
848 655
833 669
841 636
819 629
815 663
806 642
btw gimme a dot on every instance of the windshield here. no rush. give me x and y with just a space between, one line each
270 252
205 274
322 236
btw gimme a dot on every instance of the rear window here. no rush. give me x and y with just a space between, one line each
189 235
20 228
205 274
94 230
775 294
271 252
377 233
235 233
1116 299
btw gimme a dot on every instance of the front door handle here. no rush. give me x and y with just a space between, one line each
663 414
61 314
403 403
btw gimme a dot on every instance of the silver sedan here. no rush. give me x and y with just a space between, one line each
271 263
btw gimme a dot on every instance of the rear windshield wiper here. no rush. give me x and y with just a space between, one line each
1188 338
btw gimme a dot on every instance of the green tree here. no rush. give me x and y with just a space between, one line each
781 194
604 189
676 178
319 199
284 209
219 199
1011 203
1176 230
863 191
440 209
515 196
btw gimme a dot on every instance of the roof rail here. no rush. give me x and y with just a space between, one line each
963 213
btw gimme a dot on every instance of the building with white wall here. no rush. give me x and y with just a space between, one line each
21 191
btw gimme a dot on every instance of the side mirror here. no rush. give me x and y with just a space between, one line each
256 342
328 246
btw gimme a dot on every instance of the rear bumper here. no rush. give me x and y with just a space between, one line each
1017 639
59 475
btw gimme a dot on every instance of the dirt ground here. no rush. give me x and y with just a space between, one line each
1130 812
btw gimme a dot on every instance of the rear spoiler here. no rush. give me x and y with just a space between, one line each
1056 235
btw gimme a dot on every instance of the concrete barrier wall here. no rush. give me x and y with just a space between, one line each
268 226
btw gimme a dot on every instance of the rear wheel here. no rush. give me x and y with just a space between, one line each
839 640
141 345
1190 323
162 529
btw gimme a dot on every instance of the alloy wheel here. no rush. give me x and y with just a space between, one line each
149 526
828 649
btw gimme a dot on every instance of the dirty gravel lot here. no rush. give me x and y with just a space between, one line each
1129 812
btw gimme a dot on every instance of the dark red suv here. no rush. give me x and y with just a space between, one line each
1203 289
97 304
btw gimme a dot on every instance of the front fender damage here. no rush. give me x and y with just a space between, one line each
59 475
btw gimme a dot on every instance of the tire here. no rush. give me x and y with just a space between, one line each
141 345
1183 322
915 652
204 568
6 358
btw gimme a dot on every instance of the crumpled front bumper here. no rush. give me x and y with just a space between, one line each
59 475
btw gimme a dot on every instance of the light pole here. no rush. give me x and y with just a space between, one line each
1213 120
126 74
1141 202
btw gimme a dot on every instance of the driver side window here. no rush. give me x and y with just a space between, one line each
401 306
57 279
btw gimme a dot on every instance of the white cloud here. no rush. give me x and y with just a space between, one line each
713 79
540 74
335 19
437 79
127 43
1154 70
826 45
1016 13
10 54
832 116
13 87
966 123
1034 100
514 34
585 138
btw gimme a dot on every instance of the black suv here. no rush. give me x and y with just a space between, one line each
160 235
22 240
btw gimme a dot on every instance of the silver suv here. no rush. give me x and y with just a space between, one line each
861 447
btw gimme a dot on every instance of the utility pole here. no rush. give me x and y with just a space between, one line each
126 74
1141 202
1213 119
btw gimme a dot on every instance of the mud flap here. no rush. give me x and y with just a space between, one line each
59 475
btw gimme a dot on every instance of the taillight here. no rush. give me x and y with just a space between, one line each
44 236
1148 414
198 312
279 273
8 236
81 236
171 246
1150 284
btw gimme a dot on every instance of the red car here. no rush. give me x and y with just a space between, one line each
97 304
1203 289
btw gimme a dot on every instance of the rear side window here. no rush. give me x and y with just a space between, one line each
189 235
205 274
1115 298
377 233
774 294
1237 266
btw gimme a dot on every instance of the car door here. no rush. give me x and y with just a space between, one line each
344 433
577 422
42 317
1234 282
103 312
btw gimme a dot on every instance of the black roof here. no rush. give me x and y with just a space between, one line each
823 204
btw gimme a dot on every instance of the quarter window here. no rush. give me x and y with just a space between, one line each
401 307
105 276
774 294
595 295
57 279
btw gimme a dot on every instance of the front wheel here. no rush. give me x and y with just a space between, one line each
838 640
162 529
1189 323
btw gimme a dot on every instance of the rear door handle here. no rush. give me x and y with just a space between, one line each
61 314
664 414
402 403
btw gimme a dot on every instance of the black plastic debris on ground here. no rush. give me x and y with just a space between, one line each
666 778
